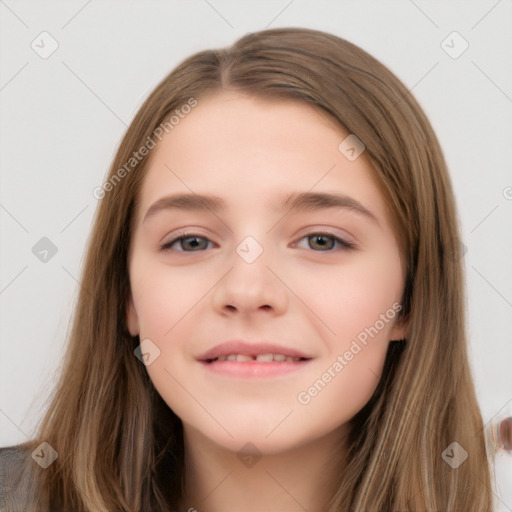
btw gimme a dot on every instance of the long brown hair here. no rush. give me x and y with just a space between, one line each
120 446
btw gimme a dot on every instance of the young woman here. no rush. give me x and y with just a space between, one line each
271 314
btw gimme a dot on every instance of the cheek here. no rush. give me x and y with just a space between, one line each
335 396
351 298
163 297
355 303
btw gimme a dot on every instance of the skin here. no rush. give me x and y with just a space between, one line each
254 153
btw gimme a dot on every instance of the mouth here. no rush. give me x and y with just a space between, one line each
262 359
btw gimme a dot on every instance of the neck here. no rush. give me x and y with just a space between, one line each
302 478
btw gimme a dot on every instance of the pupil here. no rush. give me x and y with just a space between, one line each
320 240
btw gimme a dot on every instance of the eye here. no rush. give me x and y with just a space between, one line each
190 240
326 242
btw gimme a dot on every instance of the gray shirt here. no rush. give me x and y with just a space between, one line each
14 484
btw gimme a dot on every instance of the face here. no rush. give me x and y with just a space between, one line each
262 269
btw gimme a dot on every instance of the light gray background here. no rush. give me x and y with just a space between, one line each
63 117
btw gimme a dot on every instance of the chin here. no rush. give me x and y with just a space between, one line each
259 433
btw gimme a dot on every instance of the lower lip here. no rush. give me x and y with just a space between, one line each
255 369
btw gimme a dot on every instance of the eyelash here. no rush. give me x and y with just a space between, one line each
344 244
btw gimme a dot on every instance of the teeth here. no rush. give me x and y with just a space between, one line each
262 358
243 358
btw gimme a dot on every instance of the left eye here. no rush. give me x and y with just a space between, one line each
319 239
324 241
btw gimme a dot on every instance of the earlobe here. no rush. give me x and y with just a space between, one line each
400 330
397 335
132 319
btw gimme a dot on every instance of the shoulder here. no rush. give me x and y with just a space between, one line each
13 479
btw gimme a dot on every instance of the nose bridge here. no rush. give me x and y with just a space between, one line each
251 249
250 261
250 284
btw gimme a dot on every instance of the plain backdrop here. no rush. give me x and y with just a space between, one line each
63 115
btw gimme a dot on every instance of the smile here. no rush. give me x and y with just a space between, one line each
260 358
240 358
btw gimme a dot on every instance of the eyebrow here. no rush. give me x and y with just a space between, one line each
297 201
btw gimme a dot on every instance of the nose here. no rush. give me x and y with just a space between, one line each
252 284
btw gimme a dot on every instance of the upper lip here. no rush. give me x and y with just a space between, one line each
250 349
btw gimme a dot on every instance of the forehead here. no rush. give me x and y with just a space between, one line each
250 150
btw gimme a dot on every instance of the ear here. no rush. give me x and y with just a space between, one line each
398 333
132 319
400 330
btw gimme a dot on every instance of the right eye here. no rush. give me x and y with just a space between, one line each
190 240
